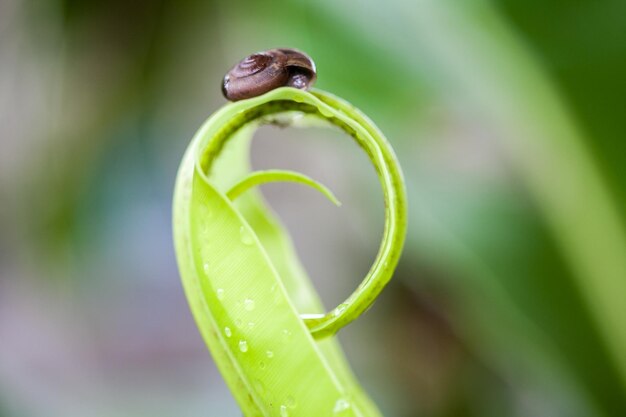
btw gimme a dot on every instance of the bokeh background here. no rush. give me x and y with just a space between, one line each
509 119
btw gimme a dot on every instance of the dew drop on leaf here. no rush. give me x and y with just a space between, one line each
246 237
248 304
243 346
341 405
220 293
340 309
283 411
269 354
228 332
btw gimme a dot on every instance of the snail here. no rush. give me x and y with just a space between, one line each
264 71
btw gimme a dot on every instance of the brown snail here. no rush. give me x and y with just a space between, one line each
264 71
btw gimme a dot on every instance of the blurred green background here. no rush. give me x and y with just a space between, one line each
509 119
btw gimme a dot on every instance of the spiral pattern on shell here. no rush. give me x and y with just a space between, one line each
264 71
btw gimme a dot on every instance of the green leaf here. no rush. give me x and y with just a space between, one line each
263 177
253 303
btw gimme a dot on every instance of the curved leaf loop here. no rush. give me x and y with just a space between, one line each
256 309
278 175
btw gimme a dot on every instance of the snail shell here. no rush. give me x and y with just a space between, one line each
264 71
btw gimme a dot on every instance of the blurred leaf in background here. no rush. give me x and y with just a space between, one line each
508 118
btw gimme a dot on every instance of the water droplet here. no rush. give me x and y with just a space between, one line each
291 402
262 365
269 354
246 237
286 334
283 411
251 325
220 293
243 346
341 405
340 309
249 304
228 332
206 267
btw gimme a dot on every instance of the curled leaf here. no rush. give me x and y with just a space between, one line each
276 175
253 303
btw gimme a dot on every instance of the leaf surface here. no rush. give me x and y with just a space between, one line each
253 303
